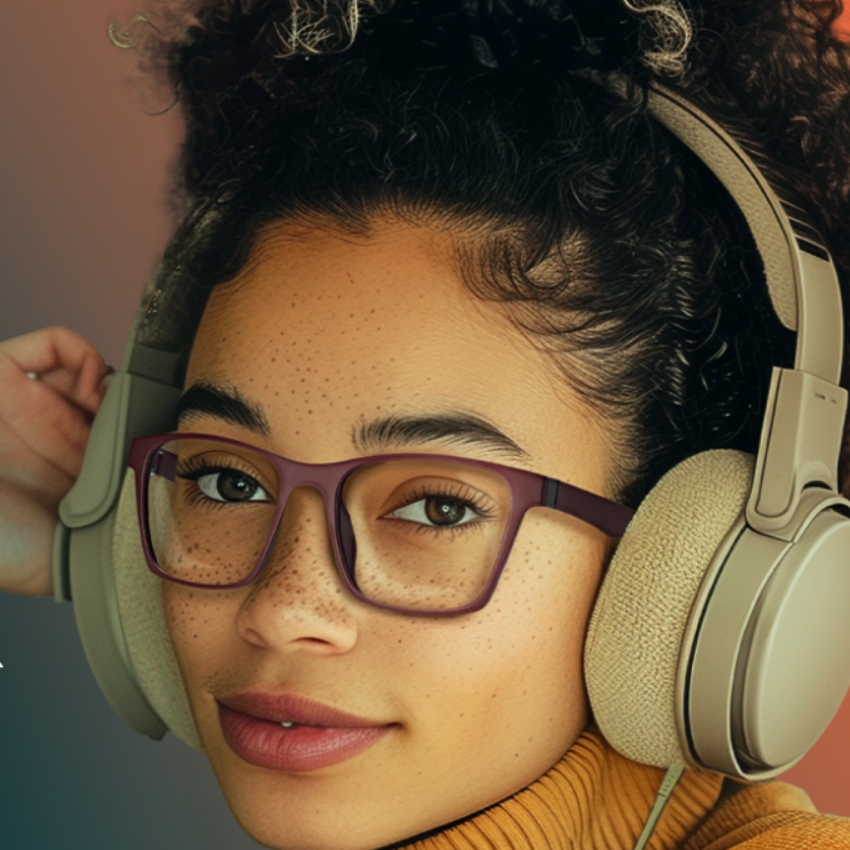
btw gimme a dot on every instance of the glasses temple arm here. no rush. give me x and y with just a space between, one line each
609 517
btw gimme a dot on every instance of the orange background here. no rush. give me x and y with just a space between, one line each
844 22
83 220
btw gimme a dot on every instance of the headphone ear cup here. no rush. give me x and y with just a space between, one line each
638 624
139 597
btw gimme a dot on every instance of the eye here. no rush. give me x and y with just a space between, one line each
228 485
438 512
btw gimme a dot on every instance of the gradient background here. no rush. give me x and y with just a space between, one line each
83 219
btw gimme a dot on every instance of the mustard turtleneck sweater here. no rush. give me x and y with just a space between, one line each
596 799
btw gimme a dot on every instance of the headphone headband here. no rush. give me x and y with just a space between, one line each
804 420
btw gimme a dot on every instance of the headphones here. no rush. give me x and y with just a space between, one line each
719 633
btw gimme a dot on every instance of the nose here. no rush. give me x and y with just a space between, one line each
298 604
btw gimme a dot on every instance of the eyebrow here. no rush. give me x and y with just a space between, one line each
226 404
457 428
381 434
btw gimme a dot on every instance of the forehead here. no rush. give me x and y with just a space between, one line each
325 330
319 286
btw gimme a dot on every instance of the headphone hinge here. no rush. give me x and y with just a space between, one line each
800 445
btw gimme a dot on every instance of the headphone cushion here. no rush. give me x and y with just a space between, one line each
140 609
638 623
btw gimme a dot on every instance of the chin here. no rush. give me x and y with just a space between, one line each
277 830
282 812
310 814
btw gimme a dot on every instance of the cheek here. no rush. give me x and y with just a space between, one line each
201 625
512 673
543 601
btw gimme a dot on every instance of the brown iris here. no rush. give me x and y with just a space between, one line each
234 486
442 510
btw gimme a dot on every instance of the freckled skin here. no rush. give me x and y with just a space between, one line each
325 330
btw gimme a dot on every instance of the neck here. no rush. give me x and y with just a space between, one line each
593 797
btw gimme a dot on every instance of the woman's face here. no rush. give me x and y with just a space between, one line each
321 334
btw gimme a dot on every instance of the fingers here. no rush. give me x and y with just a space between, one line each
63 361
44 429
47 421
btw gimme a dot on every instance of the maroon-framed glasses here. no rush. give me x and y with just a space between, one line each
412 533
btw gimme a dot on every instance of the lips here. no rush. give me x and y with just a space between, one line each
319 736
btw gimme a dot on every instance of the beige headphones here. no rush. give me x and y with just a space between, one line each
719 637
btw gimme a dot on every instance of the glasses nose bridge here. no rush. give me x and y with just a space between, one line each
322 479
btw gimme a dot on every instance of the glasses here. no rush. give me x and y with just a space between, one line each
412 533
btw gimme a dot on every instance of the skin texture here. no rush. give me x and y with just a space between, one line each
322 331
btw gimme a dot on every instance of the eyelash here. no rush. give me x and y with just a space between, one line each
195 469
457 491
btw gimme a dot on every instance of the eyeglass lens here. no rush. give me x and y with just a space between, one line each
414 533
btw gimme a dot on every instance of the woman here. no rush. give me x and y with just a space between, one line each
443 236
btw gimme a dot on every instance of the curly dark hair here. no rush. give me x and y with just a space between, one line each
607 243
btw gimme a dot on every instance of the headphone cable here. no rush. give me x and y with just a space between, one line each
665 791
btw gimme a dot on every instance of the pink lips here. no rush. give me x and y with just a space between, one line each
319 737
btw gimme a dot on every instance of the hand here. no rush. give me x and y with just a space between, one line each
44 426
